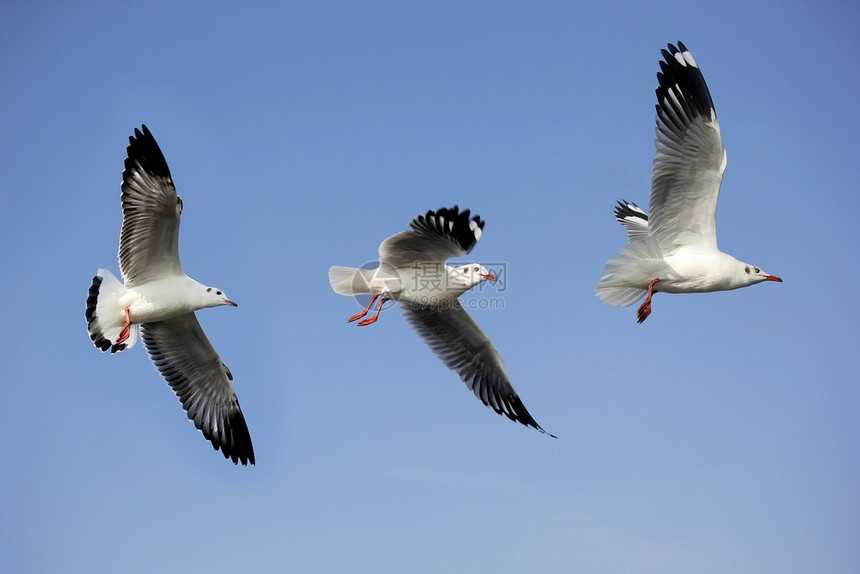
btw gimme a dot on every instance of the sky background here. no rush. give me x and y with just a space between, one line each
719 436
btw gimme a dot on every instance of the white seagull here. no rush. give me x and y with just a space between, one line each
160 299
412 271
675 249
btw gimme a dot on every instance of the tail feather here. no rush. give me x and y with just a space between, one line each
635 265
105 318
620 296
349 280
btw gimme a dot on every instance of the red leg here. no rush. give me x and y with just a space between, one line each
366 309
645 308
376 316
123 335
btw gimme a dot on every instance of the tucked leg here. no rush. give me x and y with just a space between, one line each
123 335
376 316
645 308
358 316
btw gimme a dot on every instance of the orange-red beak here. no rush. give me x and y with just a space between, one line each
489 277
773 278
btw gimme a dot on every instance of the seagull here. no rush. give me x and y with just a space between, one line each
412 271
158 299
675 249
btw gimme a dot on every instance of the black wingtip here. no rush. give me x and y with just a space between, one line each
143 151
233 440
460 226
626 209
521 415
673 50
508 404
239 447
692 89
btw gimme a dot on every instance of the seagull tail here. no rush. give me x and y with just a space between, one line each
635 265
349 280
105 318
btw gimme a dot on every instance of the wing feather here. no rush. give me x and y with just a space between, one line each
186 359
461 344
690 160
149 239
435 237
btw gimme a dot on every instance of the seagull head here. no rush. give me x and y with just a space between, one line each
755 275
471 274
214 297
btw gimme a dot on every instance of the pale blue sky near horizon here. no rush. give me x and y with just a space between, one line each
719 436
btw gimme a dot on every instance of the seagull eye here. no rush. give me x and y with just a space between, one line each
757 270
217 292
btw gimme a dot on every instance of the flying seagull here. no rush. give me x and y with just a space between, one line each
157 298
412 271
675 249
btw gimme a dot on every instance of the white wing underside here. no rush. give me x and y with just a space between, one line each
687 173
149 239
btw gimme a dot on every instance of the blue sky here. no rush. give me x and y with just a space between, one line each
719 436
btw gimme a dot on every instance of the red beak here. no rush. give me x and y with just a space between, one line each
489 277
773 278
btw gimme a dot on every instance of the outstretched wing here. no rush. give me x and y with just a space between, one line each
186 359
456 339
149 240
690 160
436 236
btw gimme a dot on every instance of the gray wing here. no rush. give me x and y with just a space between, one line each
690 159
436 236
149 240
458 341
186 359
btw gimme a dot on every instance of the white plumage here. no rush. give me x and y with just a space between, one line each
157 298
674 250
413 272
